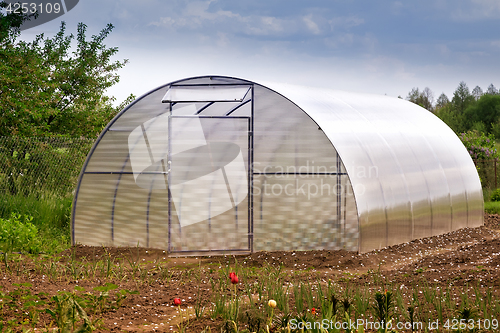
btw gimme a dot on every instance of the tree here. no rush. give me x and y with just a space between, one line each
477 92
424 98
492 90
427 99
10 23
486 111
452 118
442 101
462 97
45 90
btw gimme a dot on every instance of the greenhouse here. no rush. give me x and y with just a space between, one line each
224 165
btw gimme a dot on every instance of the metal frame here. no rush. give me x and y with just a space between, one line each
227 115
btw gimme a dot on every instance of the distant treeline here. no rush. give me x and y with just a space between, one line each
475 110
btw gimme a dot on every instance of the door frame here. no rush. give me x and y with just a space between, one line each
250 159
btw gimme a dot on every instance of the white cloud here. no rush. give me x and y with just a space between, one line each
265 26
200 16
311 25
196 16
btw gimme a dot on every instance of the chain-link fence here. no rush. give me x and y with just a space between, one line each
41 166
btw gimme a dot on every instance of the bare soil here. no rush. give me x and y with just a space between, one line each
464 257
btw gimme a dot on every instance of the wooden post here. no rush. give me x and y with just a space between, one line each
495 173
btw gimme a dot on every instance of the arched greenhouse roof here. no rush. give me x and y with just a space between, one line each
412 177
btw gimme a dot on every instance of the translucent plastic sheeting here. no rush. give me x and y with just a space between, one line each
205 94
209 184
304 213
208 176
286 139
112 210
423 181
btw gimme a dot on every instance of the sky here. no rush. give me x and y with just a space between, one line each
381 47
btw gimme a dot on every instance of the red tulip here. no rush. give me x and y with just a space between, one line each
234 279
313 311
177 301
231 275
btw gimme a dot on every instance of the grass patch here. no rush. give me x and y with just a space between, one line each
51 216
487 194
492 207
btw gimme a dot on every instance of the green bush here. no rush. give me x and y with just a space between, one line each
495 196
479 146
18 234
51 216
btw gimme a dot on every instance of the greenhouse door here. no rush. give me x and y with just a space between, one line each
209 184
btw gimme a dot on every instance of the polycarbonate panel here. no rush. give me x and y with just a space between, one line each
213 109
93 209
206 94
475 204
209 183
286 139
113 211
143 109
350 239
426 183
111 155
138 217
223 233
293 212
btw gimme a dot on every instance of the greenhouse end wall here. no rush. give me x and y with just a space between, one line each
225 165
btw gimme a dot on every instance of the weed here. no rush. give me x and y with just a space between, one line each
69 315
383 308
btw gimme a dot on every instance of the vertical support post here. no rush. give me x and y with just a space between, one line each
495 161
250 173
169 150
339 200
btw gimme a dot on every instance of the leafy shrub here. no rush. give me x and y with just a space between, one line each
495 196
479 146
51 216
18 234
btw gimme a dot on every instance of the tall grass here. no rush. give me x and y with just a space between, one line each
492 207
51 215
